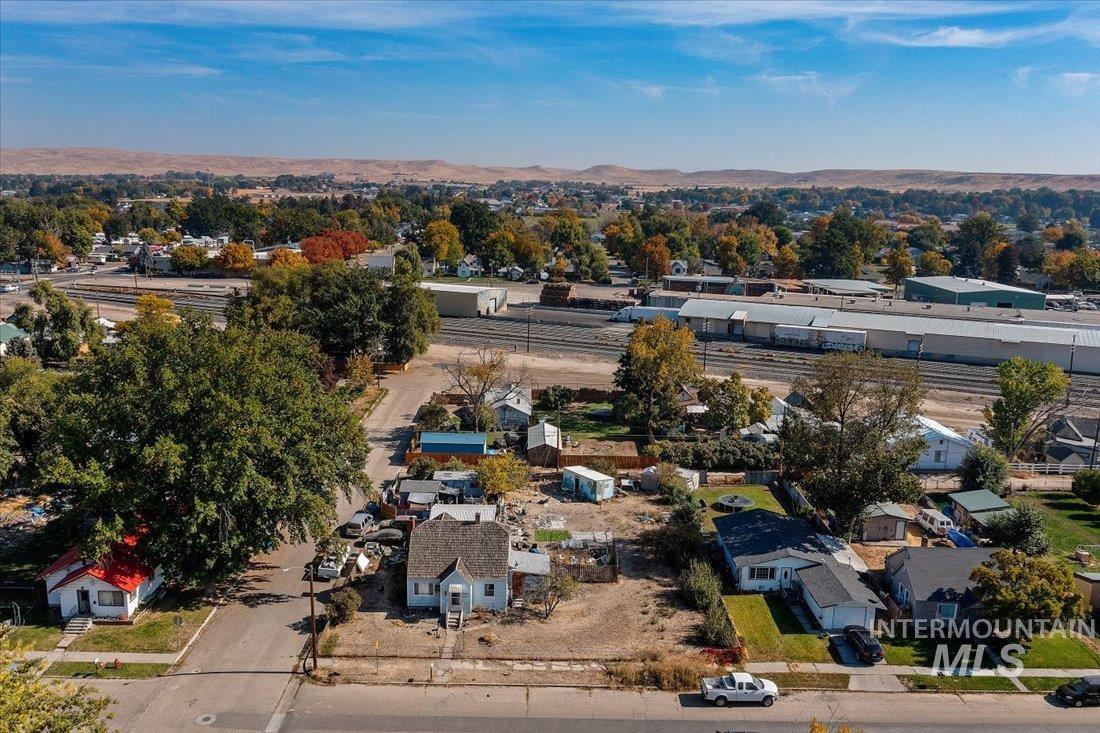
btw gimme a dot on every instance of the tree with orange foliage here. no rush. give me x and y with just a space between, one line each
235 258
653 258
286 256
334 244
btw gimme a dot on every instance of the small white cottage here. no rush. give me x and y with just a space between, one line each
113 587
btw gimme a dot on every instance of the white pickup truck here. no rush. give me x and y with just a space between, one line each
739 687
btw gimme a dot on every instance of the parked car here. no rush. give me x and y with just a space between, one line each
934 521
868 650
359 523
9 288
738 687
1080 692
332 566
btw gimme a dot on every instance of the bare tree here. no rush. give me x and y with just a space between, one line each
551 590
485 372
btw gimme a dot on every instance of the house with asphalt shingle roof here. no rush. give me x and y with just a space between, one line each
770 552
455 566
934 582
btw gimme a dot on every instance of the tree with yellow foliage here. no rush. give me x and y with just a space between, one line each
442 240
235 258
30 703
287 257
657 363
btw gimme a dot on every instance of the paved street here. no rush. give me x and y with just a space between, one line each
240 666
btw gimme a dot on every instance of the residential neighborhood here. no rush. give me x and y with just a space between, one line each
592 366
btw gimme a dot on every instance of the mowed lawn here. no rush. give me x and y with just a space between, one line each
34 637
87 670
1059 651
935 683
762 495
771 632
1069 521
154 631
587 421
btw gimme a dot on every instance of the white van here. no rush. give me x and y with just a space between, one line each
358 524
934 521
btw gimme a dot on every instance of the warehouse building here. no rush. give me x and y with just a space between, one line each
939 339
971 291
467 301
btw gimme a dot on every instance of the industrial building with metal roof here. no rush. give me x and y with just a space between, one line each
971 291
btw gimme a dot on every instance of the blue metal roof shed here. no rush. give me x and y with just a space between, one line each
464 443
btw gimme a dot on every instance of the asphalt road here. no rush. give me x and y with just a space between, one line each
239 668
519 709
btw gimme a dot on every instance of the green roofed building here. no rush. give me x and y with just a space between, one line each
971 291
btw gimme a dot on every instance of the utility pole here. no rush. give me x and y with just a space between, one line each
1072 351
312 619
529 309
706 340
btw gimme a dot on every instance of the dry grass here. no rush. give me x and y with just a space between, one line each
671 673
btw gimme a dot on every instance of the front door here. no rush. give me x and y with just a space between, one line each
83 603
899 530
456 598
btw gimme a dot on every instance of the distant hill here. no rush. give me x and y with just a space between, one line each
91 161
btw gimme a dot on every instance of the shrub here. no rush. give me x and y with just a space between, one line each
728 454
665 672
422 468
700 586
671 485
342 606
717 629
477 417
1086 486
603 465
557 397
983 468
431 416
1021 529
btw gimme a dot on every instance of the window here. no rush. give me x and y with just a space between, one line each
939 457
423 589
761 573
946 610
490 590
112 598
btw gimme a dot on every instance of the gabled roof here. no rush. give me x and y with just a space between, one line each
927 427
543 433
759 535
887 509
436 545
979 500
120 568
833 584
936 573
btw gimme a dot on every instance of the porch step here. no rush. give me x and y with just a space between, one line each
454 620
78 624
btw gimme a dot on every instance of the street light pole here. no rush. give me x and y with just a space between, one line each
312 619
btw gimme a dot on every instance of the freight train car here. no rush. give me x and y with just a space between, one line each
818 337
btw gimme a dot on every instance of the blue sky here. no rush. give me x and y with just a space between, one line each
963 85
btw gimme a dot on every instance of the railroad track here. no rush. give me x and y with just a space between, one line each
752 360
197 300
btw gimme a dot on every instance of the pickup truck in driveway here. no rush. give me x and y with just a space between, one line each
739 687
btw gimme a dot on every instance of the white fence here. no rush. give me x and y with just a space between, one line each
1046 468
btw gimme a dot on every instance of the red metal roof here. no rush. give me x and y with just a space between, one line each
121 568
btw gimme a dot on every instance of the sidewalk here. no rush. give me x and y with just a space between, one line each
897 669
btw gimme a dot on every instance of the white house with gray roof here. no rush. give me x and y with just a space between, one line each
771 552
456 566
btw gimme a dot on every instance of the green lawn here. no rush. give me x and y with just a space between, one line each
771 632
1060 651
1069 521
87 670
762 495
153 632
935 683
35 637
1044 684
551 535
587 421
808 680
914 652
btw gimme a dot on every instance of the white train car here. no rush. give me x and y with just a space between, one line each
817 337
635 313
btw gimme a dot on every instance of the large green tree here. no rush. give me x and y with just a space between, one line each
838 245
970 244
59 326
29 399
30 703
657 363
1031 393
857 446
1015 587
218 444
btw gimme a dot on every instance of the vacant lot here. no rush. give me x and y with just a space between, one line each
771 632
1069 521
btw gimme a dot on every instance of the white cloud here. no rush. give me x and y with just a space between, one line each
1022 76
1077 83
810 84
719 45
254 13
288 48
138 69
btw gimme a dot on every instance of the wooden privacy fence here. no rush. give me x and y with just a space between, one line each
621 463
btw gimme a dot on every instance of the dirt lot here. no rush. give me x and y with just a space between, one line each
604 621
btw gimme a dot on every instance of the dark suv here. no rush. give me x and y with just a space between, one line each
1080 692
866 645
